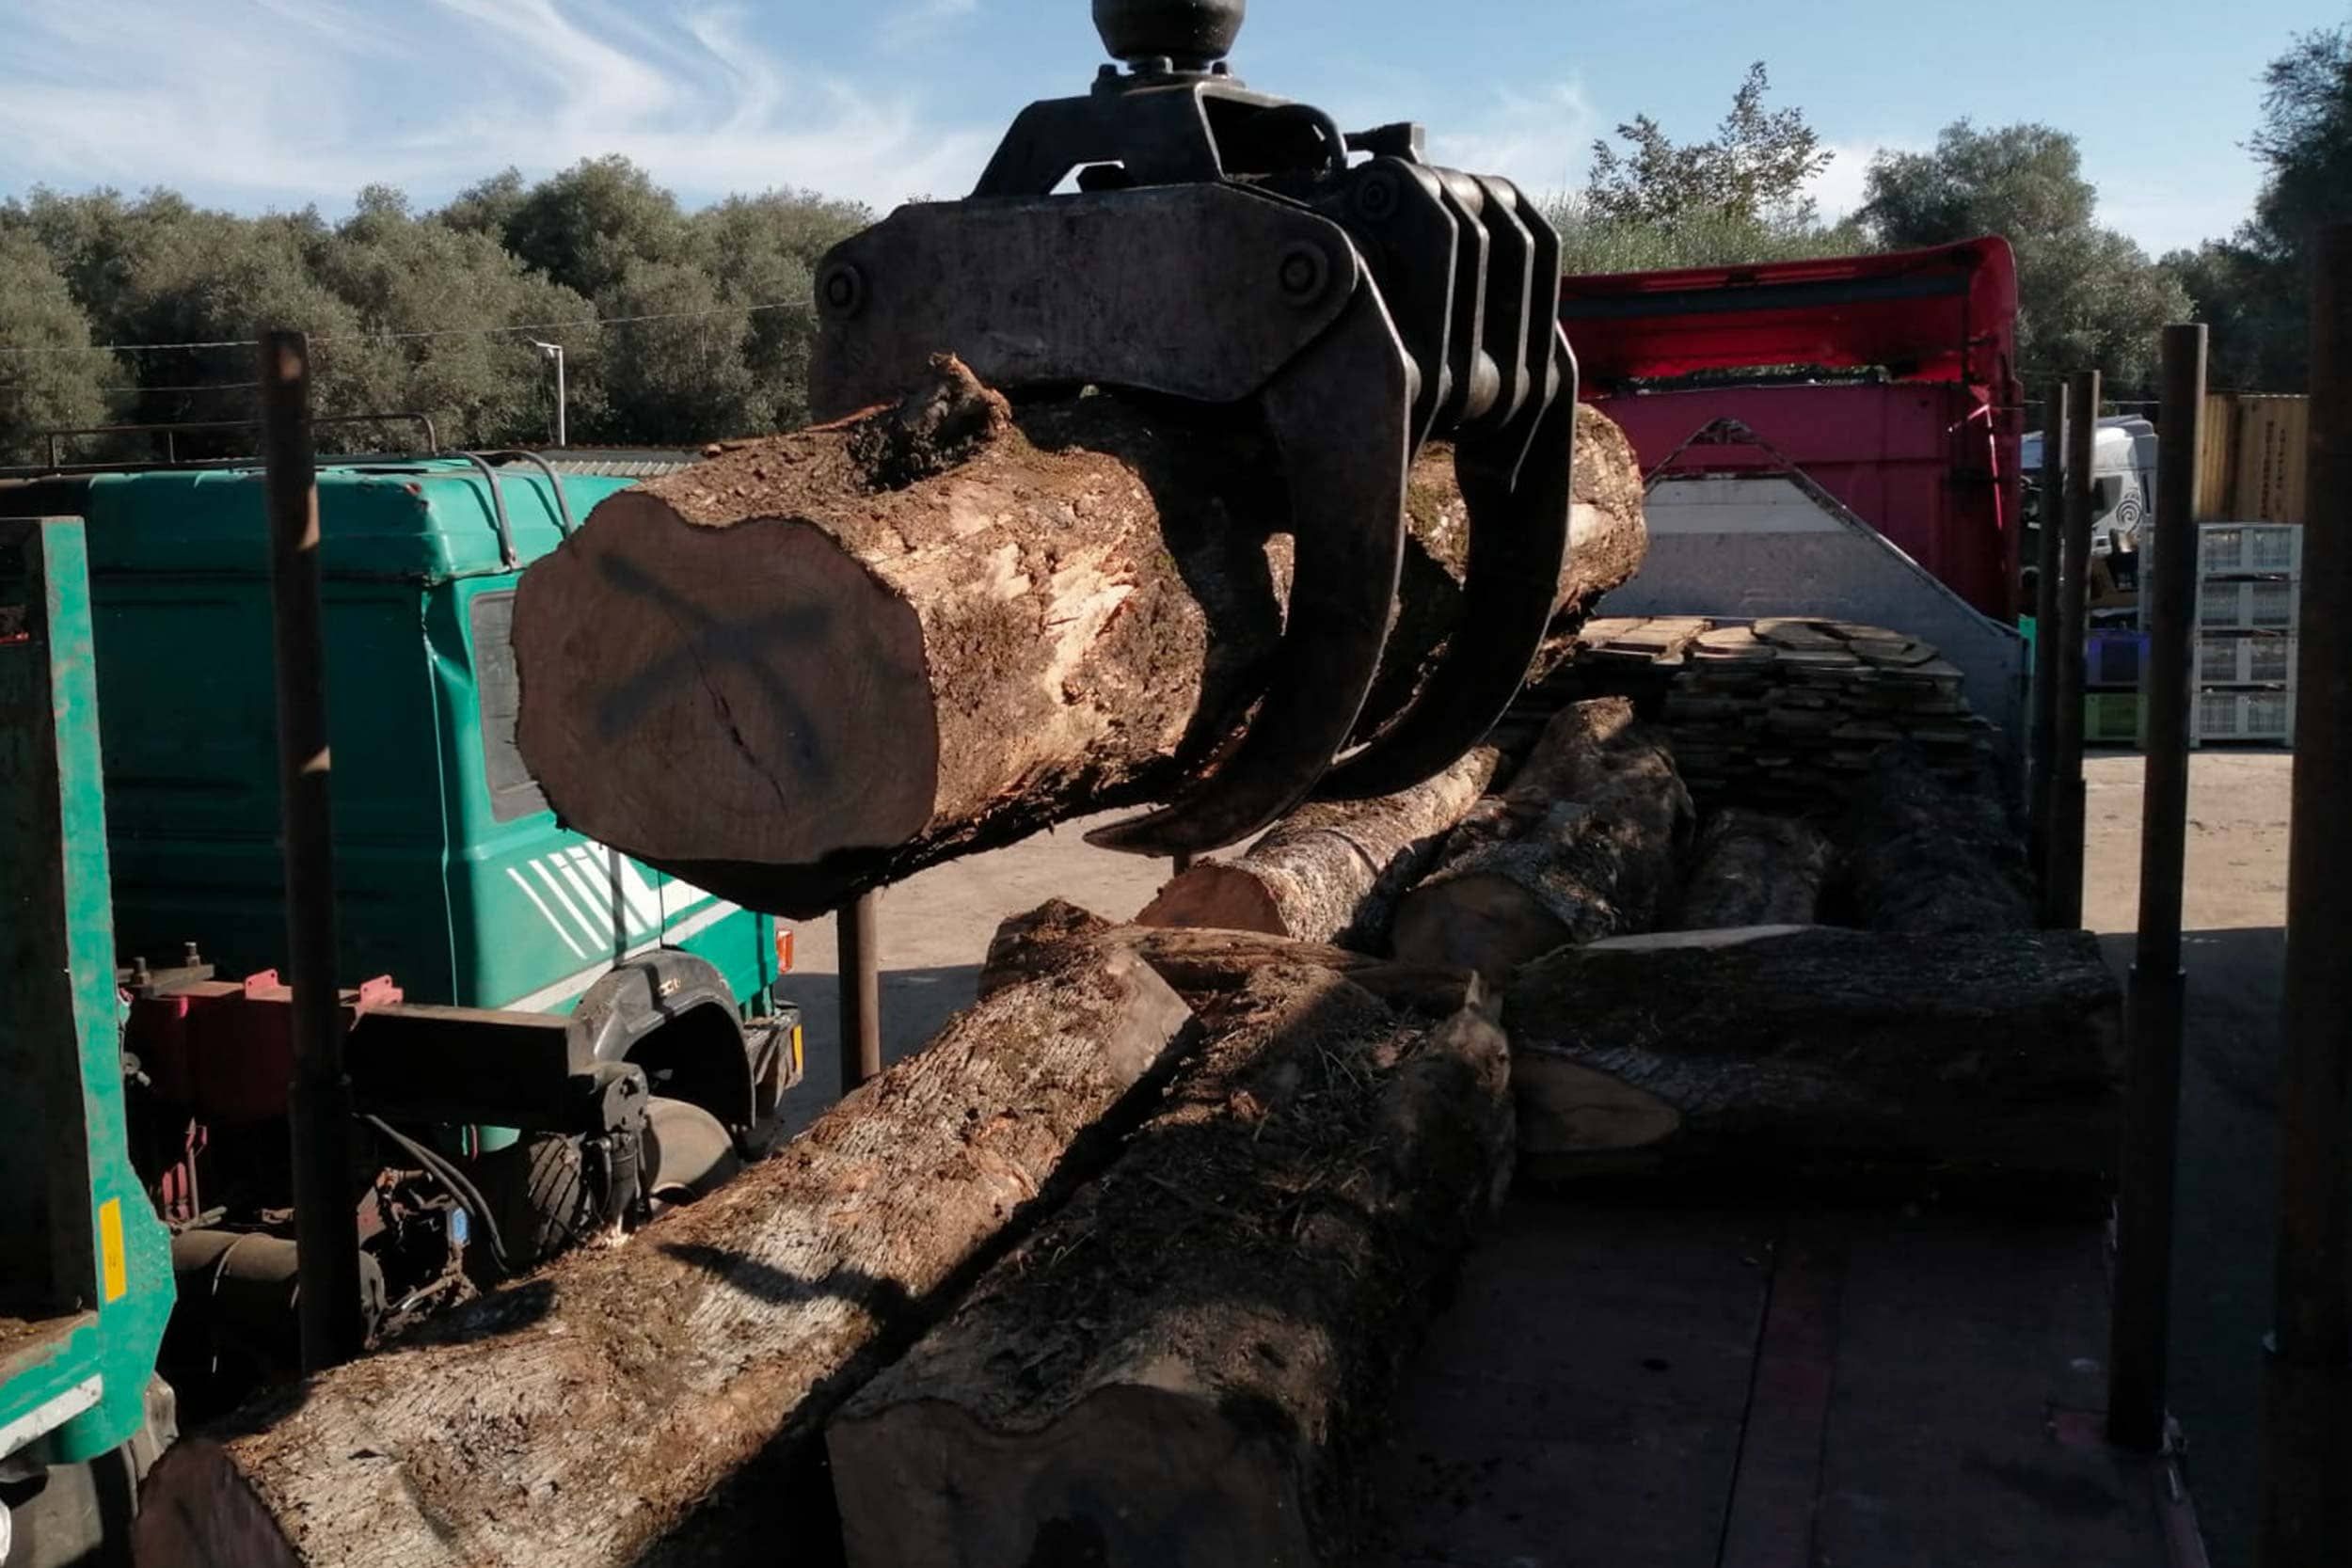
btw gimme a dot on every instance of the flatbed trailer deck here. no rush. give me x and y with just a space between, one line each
1696 1385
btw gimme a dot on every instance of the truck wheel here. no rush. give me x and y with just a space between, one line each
539 1190
689 1153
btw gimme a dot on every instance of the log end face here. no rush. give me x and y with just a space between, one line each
1478 921
196 1511
1216 897
760 661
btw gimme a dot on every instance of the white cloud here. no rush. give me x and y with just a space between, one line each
916 20
300 100
1837 190
1540 137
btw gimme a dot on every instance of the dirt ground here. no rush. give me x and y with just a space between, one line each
935 930
2234 913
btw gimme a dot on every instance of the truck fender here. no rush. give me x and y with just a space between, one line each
672 1014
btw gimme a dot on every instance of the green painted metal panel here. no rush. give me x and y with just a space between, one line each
453 881
105 1257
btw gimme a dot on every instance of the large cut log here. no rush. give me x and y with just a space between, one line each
1206 967
1754 868
1332 870
653 1402
1777 1052
1925 854
1583 846
820 661
1188 1366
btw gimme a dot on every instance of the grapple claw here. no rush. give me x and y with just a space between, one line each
1220 248
1348 513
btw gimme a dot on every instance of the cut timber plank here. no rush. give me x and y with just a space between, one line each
1188 1366
589 1416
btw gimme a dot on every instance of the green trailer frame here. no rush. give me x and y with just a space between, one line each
86 1281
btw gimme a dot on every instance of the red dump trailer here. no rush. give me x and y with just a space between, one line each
1889 380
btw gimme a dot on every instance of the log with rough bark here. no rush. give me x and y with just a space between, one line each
1332 870
1189 1365
1754 868
1926 854
816 662
1207 966
1583 846
1781 1051
611 1409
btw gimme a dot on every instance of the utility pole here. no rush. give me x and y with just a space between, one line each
326 1225
2151 1100
2307 1427
555 352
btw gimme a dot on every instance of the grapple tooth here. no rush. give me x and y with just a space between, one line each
1510 291
1347 511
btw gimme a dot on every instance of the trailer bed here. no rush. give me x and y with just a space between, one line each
1648 1386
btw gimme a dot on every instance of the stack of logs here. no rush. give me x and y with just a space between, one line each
1123 1266
1786 713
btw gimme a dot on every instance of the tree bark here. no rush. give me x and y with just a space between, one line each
1582 847
1333 870
1753 868
1923 854
1187 1367
587 1415
819 662
1207 967
1774 1051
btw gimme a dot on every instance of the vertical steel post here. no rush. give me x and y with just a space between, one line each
324 1195
2307 1425
2064 885
2045 628
857 926
2151 1101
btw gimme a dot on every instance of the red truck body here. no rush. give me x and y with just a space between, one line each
1889 379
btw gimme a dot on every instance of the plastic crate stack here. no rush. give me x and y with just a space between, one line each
2250 591
2114 661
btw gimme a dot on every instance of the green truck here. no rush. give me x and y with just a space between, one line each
546 1039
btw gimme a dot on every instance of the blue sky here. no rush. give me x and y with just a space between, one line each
258 104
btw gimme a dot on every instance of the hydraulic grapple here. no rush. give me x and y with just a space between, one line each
1223 246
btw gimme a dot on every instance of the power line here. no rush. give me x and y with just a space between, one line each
583 323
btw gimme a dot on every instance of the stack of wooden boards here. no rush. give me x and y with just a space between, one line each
1123 1267
1788 713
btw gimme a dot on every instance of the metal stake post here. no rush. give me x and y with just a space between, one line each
2307 1427
861 991
2152 1103
325 1225
2064 885
2045 628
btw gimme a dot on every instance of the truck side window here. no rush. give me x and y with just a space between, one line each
513 791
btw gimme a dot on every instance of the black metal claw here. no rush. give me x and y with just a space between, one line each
1347 511
1518 493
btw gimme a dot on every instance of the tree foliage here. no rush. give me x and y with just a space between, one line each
46 381
1739 195
2252 287
676 325
2088 297
1755 168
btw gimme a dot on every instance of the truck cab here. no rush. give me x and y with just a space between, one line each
2123 481
568 1034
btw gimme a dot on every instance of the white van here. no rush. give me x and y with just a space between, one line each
2123 478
